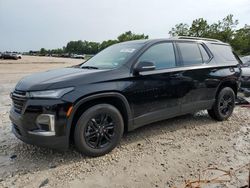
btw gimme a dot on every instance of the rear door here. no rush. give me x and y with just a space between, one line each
196 76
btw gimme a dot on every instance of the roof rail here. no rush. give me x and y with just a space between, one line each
196 38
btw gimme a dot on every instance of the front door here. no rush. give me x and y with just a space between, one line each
156 93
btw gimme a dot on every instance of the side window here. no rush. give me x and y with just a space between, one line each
204 53
161 54
224 51
190 53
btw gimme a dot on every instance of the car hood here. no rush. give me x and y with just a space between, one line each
58 78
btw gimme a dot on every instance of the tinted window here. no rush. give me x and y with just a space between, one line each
161 54
204 53
224 51
190 53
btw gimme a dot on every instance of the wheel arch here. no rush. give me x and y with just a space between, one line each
228 83
114 98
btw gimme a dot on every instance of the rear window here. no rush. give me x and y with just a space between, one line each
224 51
190 53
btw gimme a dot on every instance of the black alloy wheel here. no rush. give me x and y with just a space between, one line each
224 105
98 130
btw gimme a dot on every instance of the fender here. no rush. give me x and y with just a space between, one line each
96 96
226 81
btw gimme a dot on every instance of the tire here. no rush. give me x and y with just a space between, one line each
98 130
224 105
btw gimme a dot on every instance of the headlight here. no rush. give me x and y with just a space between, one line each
55 93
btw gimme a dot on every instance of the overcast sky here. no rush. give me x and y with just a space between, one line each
32 24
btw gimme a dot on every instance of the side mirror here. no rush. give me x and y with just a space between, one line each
143 66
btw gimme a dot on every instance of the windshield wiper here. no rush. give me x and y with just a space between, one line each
89 67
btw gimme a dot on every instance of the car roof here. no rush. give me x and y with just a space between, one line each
179 38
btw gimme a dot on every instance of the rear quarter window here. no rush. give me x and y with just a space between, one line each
224 51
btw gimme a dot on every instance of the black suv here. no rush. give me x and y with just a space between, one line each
124 87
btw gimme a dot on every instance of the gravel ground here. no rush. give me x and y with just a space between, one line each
163 154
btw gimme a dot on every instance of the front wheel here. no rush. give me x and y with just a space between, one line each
98 130
224 105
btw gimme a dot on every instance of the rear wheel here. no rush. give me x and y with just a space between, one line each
224 105
98 130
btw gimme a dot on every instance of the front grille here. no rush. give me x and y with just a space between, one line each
18 100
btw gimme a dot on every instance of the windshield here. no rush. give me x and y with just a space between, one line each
112 57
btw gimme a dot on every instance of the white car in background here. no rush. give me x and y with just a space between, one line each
77 56
246 60
19 56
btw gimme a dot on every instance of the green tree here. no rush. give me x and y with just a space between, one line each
226 28
93 47
43 51
181 29
87 47
58 51
222 30
241 41
82 47
74 47
107 43
199 28
127 36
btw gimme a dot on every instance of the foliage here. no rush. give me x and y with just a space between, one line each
107 43
180 30
86 47
199 28
241 40
43 51
224 30
127 36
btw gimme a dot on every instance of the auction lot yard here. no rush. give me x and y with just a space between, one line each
163 154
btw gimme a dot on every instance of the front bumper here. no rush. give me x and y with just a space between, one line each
26 128
53 142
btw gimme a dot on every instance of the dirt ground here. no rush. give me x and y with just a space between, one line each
163 154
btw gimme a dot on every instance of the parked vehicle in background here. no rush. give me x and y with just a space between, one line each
11 55
124 87
65 55
78 56
19 56
245 77
245 60
245 81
